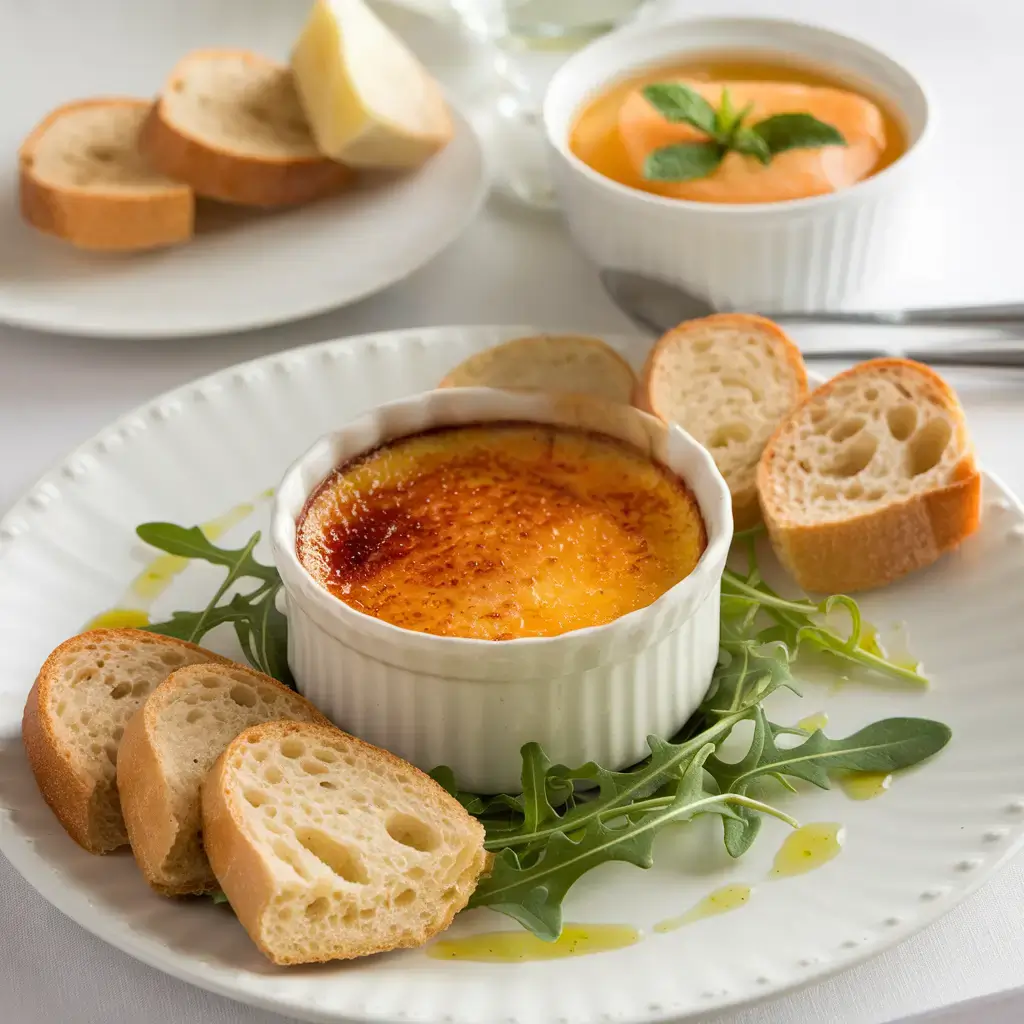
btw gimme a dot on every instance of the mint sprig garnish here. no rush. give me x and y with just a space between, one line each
727 131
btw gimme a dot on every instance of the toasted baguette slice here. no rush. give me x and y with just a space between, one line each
329 848
168 747
229 124
570 363
871 478
729 380
76 713
83 179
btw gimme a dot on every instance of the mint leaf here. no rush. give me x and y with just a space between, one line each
748 142
685 161
726 117
681 105
797 131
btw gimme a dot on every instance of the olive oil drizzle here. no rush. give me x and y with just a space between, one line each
811 723
159 573
808 848
866 785
721 901
516 947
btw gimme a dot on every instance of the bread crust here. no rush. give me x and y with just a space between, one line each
879 546
101 220
72 796
248 882
146 796
216 172
746 509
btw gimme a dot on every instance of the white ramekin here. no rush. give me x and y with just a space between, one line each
802 254
592 694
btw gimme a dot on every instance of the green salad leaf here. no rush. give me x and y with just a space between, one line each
883 746
567 821
530 888
261 628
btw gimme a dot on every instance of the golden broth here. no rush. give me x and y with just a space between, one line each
595 139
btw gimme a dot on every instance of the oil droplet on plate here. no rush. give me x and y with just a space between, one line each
157 577
216 528
813 722
515 947
808 848
893 648
721 901
865 785
158 574
120 618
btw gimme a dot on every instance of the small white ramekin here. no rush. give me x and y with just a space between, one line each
592 694
802 254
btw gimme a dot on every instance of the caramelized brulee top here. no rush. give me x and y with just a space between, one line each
500 531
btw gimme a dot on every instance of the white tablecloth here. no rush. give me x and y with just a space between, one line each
513 266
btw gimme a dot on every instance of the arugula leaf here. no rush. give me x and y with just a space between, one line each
682 105
797 131
262 630
684 161
615 790
500 813
883 746
570 820
799 623
191 542
532 892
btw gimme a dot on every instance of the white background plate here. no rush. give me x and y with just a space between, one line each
67 551
262 269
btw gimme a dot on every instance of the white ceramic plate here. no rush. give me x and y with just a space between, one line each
242 272
67 551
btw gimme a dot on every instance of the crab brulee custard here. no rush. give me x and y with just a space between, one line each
501 531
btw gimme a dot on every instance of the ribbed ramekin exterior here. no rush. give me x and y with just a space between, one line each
477 727
816 258
590 694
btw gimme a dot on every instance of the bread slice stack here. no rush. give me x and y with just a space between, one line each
871 478
326 847
76 713
230 126
166 751
83 179
234 127
568 363
729 380
329 848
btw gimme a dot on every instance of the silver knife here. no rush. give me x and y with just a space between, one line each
657 306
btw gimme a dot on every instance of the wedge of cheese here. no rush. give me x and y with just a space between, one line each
369 101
